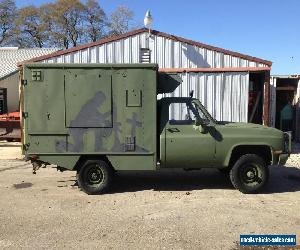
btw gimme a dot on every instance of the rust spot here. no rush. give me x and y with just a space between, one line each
23 185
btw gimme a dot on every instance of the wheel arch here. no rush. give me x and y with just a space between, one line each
84 158
262 150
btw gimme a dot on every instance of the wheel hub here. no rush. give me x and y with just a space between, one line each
250 174
94 176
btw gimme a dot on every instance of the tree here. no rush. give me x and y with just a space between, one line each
121 20
7 15
62 23
94 20
30 26
65 22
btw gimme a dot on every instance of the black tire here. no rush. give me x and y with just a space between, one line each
249 174
94 177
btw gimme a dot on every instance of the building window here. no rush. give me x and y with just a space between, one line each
3 101
145 55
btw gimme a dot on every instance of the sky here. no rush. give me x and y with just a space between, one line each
268 29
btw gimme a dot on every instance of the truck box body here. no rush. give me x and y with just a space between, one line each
70 110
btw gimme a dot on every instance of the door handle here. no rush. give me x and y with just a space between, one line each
173 130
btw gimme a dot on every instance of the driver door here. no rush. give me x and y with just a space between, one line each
185 145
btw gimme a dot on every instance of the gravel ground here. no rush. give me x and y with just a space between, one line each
294 159
161 210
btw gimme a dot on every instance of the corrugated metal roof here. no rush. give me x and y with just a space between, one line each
11 56
156 34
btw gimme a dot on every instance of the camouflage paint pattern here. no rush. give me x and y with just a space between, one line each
96 109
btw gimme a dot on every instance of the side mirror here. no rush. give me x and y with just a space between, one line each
201 122
202 125
205 123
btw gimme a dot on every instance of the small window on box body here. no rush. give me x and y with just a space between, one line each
145 55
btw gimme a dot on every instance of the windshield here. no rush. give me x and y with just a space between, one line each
202 113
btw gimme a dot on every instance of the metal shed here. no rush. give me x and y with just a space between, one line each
233 86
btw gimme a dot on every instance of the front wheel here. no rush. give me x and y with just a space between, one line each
94 177
249 174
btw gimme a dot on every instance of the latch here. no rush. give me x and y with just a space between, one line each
26 146
24 82
24 114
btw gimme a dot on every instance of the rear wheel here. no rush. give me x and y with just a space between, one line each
94 177
249 174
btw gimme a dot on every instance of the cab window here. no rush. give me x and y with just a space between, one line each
182 114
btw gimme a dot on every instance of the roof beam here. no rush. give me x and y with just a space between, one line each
211 70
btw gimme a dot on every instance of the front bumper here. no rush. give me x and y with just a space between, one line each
281 157
287 143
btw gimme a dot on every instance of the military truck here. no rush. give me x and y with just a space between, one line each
97 119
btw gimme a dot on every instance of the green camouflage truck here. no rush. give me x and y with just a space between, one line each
97 119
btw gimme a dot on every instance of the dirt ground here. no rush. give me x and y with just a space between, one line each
161 210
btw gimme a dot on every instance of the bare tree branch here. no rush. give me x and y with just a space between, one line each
121 20
7 15
31 27
94 21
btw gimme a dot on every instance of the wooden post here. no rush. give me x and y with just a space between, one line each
266 100
297 120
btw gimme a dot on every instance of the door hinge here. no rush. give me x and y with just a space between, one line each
26 146
24 115
24 82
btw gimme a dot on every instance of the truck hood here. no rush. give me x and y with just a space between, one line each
252 128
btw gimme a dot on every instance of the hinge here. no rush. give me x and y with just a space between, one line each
24 82
26 146
24 115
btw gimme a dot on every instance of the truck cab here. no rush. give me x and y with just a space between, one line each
191 138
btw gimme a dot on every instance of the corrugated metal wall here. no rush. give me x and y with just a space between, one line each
164 51
224 94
